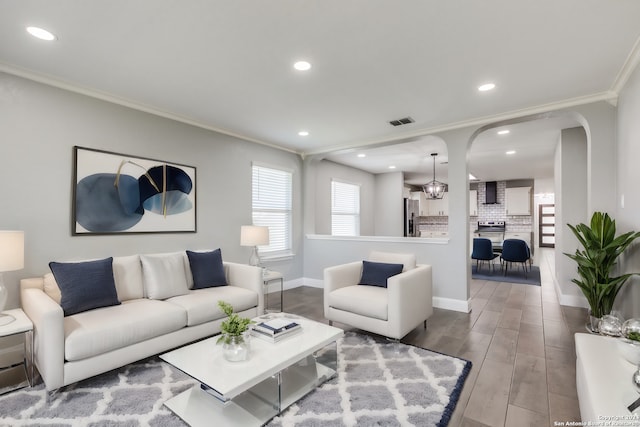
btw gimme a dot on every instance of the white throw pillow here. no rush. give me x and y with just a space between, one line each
164 275
127 274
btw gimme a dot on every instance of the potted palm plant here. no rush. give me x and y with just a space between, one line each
600 251
234 335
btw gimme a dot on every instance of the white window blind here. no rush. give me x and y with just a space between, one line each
345 209
271 204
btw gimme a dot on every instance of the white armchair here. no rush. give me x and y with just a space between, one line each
392 311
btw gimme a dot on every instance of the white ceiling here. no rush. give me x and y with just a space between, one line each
534 143
227 65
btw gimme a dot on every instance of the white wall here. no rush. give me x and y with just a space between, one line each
544 185
451 282
628 175
39 125
389 204
325 171
449 258
571 207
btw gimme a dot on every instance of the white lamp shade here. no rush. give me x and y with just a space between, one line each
11 250
254 235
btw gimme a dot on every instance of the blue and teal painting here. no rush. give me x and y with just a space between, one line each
115 202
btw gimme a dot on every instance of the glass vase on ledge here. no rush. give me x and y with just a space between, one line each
593 323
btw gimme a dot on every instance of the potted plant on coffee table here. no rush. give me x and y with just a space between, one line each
596 260
234 335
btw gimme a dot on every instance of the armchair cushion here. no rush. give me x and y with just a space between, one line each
85 285
377 273
207 269
368 301
407 260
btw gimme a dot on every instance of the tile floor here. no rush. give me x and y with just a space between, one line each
519 339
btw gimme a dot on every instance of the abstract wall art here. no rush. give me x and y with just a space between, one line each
117 193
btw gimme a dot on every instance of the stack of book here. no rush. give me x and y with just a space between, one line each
274 330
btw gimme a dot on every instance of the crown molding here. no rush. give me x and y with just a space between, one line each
627 69
608 96
104 96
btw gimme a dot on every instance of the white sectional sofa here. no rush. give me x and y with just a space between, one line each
155 311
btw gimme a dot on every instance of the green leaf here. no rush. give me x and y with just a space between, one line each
233 325
601 249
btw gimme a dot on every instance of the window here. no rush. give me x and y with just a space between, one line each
345 209
271 205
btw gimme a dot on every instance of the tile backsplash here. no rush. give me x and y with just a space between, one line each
493 212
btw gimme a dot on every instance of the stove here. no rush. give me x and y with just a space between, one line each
491 227
492 230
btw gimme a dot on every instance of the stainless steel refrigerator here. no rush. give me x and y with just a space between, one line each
411 213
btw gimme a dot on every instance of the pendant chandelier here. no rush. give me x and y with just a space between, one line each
434 189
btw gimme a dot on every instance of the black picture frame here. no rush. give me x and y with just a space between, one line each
115 193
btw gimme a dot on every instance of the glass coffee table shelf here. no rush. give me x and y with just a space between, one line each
251 393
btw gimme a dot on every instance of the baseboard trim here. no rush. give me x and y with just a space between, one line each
572 300
438 302
452 304
290 284
314 283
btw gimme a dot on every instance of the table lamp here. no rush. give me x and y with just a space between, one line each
254 235
11 258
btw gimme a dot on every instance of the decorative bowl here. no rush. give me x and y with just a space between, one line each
610 325
631 329
630 350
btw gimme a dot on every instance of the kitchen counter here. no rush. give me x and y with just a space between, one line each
497 237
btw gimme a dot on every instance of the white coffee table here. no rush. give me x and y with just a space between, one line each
253 392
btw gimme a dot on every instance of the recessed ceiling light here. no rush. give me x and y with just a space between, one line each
303 133
487 86
503 132
472 178
510 152
40 33
392 167
302 65
362 155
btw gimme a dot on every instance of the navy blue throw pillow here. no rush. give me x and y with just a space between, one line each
85 285
377 273
207 269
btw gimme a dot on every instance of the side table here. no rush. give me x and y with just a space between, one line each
268 277
603 382
16 370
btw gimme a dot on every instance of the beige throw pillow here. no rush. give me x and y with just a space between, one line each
164 275
51 287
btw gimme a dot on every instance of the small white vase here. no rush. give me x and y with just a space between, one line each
237 348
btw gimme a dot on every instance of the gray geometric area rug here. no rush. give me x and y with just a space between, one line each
379 383
515 275
382 383
131 396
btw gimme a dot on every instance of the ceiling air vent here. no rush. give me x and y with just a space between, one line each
403 121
